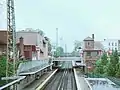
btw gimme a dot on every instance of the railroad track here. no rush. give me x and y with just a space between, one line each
67 82
63 80
53 83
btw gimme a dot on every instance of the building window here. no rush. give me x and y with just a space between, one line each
109 44
88 43
112 44
98 53
112 49
88 53
119 41
115 44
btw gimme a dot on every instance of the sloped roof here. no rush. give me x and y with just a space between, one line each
88 39
98 45
30 38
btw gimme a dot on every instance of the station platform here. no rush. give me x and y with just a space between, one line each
38 82
82 83
30 71
32 67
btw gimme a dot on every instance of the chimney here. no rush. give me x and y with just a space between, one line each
21 45
21 39
93 36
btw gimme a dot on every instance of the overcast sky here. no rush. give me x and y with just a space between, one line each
75 19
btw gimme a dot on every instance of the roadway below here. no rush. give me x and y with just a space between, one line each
63 80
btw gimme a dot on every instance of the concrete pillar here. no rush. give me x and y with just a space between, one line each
21 41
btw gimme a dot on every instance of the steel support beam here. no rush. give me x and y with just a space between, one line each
11 40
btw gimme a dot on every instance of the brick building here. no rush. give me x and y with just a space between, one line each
3 41
30 44
92 51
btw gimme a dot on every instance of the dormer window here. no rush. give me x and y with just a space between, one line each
44 43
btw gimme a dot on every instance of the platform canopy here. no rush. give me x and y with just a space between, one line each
32 66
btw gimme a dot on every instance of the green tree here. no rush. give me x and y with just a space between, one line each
77 45
110 67
99 67
118 73
73 53
118 70
114 60
59 52
104 60
110 70
116 57
41 32
2 66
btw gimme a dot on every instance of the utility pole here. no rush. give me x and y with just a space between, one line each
66 49
11 40
61 42
56 37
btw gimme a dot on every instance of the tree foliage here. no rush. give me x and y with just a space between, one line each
77 45
110 70
59 52
99 67
41 32
118 70
104 60
115 58
2 66
101 64
109 66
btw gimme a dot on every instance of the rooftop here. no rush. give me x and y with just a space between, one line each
88 39
98 45
30 37
32 66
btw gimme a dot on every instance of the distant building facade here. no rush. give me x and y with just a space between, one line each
32 45
3 41
119 45
92 51
111 44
